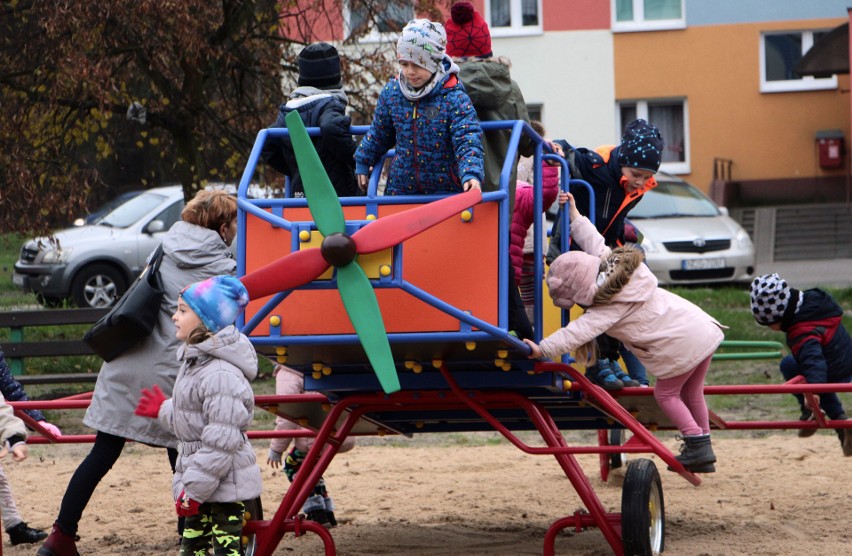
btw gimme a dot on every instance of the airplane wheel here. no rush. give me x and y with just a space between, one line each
643 514
253 512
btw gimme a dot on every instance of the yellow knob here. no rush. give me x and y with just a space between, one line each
316 366
244 539
470 346
281 350
326 370
316 375
385 270
418 424
567 385
502 353
498 362
507 366
371 217
302 422
304 235
281 359
437 363
418 368
326 407
409 364
275 320
466 215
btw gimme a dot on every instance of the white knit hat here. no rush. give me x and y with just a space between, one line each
422 42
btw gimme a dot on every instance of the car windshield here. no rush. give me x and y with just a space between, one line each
673 200
130 212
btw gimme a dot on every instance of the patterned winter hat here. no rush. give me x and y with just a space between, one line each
217 301
572 278
319 66
771 298
641 146
422 42
467 32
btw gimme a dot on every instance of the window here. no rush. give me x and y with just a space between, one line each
534 110
384 18
647 15
779 54
513 17
671 117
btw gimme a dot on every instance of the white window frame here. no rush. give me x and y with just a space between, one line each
516 29
373 36
807 82
639 22
684 167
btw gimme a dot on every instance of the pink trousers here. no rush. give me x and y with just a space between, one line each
682 400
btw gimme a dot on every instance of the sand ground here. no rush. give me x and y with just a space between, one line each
772 495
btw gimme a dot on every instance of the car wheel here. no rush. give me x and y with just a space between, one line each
97 286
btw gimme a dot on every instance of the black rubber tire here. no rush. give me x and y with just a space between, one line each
616 438
643 511
254 512
98 286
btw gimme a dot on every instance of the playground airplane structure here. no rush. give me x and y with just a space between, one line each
395 309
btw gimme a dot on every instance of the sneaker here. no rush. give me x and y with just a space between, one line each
606 378
320 516
624 377
807 415
24 534
332 521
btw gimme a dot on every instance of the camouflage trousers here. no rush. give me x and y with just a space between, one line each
217 524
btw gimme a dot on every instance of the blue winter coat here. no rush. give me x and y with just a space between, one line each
438 140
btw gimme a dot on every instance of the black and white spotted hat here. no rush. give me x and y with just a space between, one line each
770 298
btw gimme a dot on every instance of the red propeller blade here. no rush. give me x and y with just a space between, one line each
392 230
288 272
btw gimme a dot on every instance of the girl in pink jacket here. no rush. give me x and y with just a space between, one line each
672 337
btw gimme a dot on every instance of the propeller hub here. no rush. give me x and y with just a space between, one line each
338 249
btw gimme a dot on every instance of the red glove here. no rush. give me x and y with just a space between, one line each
185 505
150 402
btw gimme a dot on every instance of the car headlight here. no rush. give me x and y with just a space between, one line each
649 245
742 238
55 255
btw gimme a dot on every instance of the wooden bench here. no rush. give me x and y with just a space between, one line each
18 349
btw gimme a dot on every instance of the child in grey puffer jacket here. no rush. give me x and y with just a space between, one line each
210 411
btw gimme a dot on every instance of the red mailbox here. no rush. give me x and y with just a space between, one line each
830 147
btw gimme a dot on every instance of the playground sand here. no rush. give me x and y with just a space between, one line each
772 495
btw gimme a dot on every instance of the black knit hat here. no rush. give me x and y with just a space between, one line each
319 66
641 146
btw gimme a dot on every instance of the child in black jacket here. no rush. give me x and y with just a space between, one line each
820 345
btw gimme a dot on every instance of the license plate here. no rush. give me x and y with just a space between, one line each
18 280
702 264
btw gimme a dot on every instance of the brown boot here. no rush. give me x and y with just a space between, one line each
59 543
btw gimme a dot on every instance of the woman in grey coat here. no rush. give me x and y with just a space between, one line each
194 249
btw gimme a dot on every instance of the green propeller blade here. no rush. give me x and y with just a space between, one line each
322 198
361 304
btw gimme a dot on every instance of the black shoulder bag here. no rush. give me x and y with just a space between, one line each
133 317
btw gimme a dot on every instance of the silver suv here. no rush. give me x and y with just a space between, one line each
93 264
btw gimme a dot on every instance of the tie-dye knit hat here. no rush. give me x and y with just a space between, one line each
771 297
641 146
217 301
467 32
422 42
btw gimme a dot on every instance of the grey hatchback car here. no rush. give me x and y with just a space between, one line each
93 264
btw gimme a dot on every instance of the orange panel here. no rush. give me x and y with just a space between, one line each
455 261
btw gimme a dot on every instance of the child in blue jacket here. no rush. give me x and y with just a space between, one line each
820 345
426 114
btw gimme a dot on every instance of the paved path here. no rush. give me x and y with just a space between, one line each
811 273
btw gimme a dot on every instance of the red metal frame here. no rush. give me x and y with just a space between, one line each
346 412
